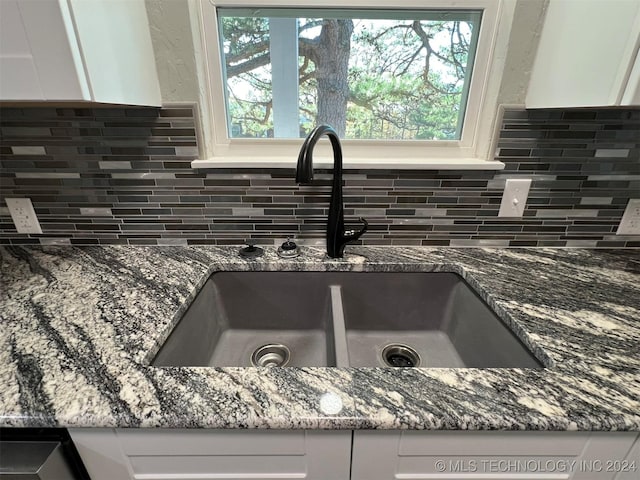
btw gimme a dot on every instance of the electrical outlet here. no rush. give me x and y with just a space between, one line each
23 215
514 197
630 223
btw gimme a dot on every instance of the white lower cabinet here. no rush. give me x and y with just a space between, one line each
163 454
466 455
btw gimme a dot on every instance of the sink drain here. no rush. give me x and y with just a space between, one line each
272 355
398 355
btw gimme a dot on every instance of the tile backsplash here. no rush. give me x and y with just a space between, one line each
123 175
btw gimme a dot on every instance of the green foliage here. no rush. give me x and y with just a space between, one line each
406 78
242 34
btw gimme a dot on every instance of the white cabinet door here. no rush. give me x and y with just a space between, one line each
460 455
631 94
87 50
586 54
38 61
115 42
18 75
630 467
162 454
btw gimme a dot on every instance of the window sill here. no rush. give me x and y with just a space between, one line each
360 164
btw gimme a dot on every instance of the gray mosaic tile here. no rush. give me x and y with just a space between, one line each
172 242
114 165
96 212
54 241
44 174
24 150
123 175
582 243
596 200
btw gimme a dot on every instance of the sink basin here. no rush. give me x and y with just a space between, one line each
434 319
361 319
237 313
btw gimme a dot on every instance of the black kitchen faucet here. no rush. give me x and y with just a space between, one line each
337 236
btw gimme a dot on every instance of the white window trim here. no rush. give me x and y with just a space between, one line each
473 152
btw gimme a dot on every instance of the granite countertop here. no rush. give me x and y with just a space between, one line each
79 326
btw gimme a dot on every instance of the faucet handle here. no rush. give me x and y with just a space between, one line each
251 251
351 235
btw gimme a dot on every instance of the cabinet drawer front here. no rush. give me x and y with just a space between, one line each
226 466
493 443
503 467
211 442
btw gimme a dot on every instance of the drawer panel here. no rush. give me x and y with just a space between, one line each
240 467
498 467
493 443
211 442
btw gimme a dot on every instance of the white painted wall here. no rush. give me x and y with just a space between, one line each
523 43
171 37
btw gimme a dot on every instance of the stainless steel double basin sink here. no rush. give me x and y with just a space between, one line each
343 319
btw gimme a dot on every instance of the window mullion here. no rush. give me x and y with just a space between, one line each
473 46
283 43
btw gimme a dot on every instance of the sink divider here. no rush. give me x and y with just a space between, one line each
339 328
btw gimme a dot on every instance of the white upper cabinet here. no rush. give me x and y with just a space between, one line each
77 50
587 55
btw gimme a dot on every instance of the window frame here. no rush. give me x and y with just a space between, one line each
473 151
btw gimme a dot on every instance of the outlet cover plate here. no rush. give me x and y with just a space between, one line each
630 223
23 215
514 197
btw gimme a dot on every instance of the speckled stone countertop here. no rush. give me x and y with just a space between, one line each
79 326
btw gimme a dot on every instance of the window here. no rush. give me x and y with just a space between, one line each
372 75
403 86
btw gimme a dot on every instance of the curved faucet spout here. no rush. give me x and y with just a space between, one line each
337 237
